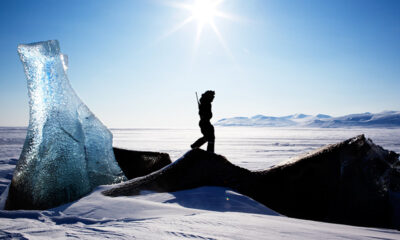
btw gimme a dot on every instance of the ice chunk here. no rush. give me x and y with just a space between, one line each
67 150
64 60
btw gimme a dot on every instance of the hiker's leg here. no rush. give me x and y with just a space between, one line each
210 147
210 137
199 142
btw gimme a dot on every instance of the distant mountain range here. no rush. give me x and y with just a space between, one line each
383 119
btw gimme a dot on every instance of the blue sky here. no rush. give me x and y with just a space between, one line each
281 57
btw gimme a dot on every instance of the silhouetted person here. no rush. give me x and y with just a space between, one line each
207 129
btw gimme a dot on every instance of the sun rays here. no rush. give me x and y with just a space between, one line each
203 12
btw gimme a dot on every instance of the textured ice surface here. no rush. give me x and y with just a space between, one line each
67 150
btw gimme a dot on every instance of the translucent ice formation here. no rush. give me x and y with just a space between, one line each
67 151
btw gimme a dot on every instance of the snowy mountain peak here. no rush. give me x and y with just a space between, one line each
367 119
300 116
259 117
323 116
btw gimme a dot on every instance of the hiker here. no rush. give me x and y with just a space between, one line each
207 129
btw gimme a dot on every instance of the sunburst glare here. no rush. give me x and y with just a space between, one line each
203 12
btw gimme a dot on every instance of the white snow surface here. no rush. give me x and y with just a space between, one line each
202 213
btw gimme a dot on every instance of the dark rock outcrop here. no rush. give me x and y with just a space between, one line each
139 163
353 182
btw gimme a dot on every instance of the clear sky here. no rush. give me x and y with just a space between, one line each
134 67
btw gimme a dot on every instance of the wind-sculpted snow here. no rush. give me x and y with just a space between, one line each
67 150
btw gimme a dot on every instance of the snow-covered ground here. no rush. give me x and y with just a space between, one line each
202 213
249 147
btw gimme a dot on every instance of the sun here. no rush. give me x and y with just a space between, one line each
204 12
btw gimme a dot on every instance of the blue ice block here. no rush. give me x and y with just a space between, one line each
67 151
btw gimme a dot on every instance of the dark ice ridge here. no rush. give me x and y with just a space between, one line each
353 182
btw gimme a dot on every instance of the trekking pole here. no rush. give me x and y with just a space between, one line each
197 97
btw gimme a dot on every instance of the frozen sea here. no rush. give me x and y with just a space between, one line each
251 147
203 213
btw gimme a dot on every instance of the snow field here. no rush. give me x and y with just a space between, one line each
202 213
